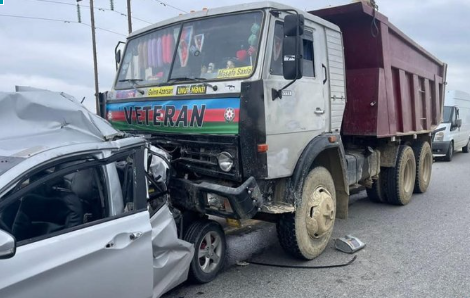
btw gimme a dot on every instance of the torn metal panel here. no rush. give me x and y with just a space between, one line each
44 119
172 256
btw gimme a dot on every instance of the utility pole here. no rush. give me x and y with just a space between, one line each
95 59
129 21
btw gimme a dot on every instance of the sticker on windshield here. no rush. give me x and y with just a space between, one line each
192 89
161 91
234 72
184 46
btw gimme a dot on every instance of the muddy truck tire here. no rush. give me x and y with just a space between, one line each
377 192
423 156
401 178
210 247
305 233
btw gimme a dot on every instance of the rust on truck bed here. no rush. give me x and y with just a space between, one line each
394 86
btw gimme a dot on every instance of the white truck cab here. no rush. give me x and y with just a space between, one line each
454 131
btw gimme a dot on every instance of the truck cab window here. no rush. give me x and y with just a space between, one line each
276 56
308 60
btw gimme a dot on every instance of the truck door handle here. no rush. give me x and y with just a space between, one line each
325 74
319 111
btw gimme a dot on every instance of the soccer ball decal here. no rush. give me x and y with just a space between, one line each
229 114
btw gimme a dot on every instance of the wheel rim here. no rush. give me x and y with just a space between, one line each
210 252
408 182
320 215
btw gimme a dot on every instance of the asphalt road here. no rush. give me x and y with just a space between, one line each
419 250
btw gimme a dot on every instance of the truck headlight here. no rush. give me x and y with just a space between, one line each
439 136
225 160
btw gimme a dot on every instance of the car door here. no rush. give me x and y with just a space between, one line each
106 252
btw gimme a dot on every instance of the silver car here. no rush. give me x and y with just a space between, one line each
80 214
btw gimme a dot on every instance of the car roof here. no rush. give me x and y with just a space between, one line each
42 125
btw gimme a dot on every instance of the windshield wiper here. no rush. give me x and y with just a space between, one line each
134 84
193 79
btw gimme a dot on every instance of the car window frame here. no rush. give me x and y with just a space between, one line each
139 190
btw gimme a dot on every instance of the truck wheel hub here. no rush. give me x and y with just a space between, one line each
320 213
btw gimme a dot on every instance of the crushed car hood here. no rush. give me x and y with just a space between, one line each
34 121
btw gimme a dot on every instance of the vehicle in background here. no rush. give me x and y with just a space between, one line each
454 131
276 113
81 213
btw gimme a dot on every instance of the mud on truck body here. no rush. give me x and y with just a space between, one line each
274 113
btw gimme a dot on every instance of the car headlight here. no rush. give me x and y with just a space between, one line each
225 160
439 136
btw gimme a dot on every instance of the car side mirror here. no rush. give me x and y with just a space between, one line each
458 122
7 245
292 47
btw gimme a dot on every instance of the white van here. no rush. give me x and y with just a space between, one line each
454 131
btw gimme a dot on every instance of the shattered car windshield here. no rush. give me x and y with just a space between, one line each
214 48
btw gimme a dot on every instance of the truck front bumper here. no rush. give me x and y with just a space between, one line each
440 148
191 195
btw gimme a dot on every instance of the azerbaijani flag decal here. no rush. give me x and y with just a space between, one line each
204 116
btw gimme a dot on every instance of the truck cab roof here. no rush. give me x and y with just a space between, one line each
233 9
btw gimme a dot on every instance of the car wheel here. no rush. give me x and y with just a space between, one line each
208 238
450 152
466 149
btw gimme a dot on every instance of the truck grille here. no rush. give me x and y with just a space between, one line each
199 155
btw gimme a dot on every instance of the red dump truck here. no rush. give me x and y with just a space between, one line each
274 113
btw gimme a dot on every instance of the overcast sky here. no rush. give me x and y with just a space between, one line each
58 56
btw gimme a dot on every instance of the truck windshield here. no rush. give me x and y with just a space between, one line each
446 118
214 48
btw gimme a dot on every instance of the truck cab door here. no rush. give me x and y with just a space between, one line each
302 113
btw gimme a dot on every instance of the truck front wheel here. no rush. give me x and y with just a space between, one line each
305 233
401 178
423 156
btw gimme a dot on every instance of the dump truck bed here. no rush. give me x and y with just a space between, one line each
394 86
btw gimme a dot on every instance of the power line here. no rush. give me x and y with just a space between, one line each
174 7
59 20
96 8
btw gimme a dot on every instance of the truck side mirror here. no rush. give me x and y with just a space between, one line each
292 48
7 245
118 57
458 122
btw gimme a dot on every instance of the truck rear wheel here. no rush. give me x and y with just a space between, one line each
377 192
210 247
423 155
401 178
305 233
